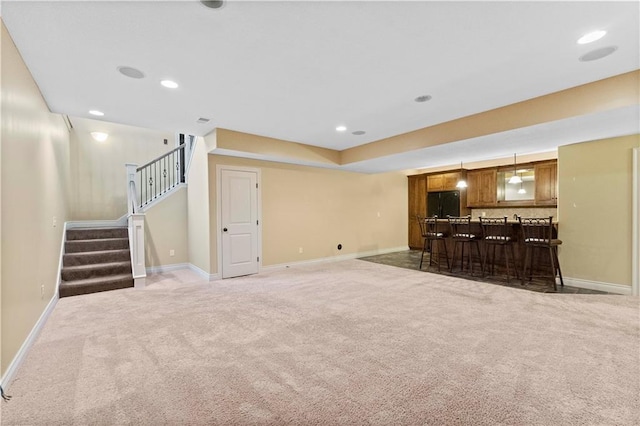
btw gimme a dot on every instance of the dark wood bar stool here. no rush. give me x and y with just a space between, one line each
498 233
538 233
431 232
462 235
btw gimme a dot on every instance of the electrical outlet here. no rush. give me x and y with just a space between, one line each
300 250
378 214
172 252
55 221
42 291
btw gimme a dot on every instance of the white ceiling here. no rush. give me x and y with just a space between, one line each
294 70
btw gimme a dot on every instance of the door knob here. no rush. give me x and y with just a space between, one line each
224 229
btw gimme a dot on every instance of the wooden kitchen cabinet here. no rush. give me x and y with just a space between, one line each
482 188
546 184
417 206
443 182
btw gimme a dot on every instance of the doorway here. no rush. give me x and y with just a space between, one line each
238 221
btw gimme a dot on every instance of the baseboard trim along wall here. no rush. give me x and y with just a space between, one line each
597 285
177 266
17 361
333 258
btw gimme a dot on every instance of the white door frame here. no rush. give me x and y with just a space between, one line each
635 226
219 169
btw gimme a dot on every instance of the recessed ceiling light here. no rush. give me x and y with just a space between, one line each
96 113
169 84
341 128
591 37
131 72
423 98
99 136
358 132
598 53
215 4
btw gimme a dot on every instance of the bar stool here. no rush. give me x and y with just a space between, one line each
462 235
497 233
431 232
538 233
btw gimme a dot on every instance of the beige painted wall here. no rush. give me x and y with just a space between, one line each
198 208
594 209
98 171
166 229
316 209
35 189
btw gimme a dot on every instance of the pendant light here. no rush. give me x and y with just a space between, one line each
521 190
515 178
461 183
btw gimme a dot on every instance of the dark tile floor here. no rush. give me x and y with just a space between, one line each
410 259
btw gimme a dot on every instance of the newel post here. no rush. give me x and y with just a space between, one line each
136 229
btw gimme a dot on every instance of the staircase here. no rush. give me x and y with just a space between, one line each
95 260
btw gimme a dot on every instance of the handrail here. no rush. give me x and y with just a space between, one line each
160 158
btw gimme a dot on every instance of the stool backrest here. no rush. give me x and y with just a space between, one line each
460 226
496 228
536 230
429 227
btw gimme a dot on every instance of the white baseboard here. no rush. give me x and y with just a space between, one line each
17 361
177 266
203 274
333 258
597 285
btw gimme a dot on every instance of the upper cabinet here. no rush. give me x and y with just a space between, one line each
482 188
443 181
546 183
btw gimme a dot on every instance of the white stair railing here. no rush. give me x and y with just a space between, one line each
135 220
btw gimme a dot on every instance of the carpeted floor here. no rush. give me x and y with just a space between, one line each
350 342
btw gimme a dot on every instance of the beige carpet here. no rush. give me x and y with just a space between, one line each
345 343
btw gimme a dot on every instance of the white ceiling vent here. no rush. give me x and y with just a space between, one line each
202 120
598 53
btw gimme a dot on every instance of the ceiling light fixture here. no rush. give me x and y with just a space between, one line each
213 4
515 178
99 136
591 37
461 183
169 84
130 72
423 98
341 128
594 55
358 132
96 113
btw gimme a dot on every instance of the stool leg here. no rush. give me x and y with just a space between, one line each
424 247
555 252
453 259
515 265
506 260
446 253
430 252
553 268
484 258
524 264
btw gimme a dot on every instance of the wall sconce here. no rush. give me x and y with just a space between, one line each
99 136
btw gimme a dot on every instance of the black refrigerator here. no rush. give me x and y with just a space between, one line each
443 203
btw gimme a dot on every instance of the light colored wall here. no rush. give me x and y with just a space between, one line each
594 184
316 209
35 190
98 171
166 229
198 208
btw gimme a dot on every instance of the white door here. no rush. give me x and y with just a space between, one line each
239 222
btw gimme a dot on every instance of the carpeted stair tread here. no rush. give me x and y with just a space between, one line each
96 233
81 272
93 257
76 246
94 285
